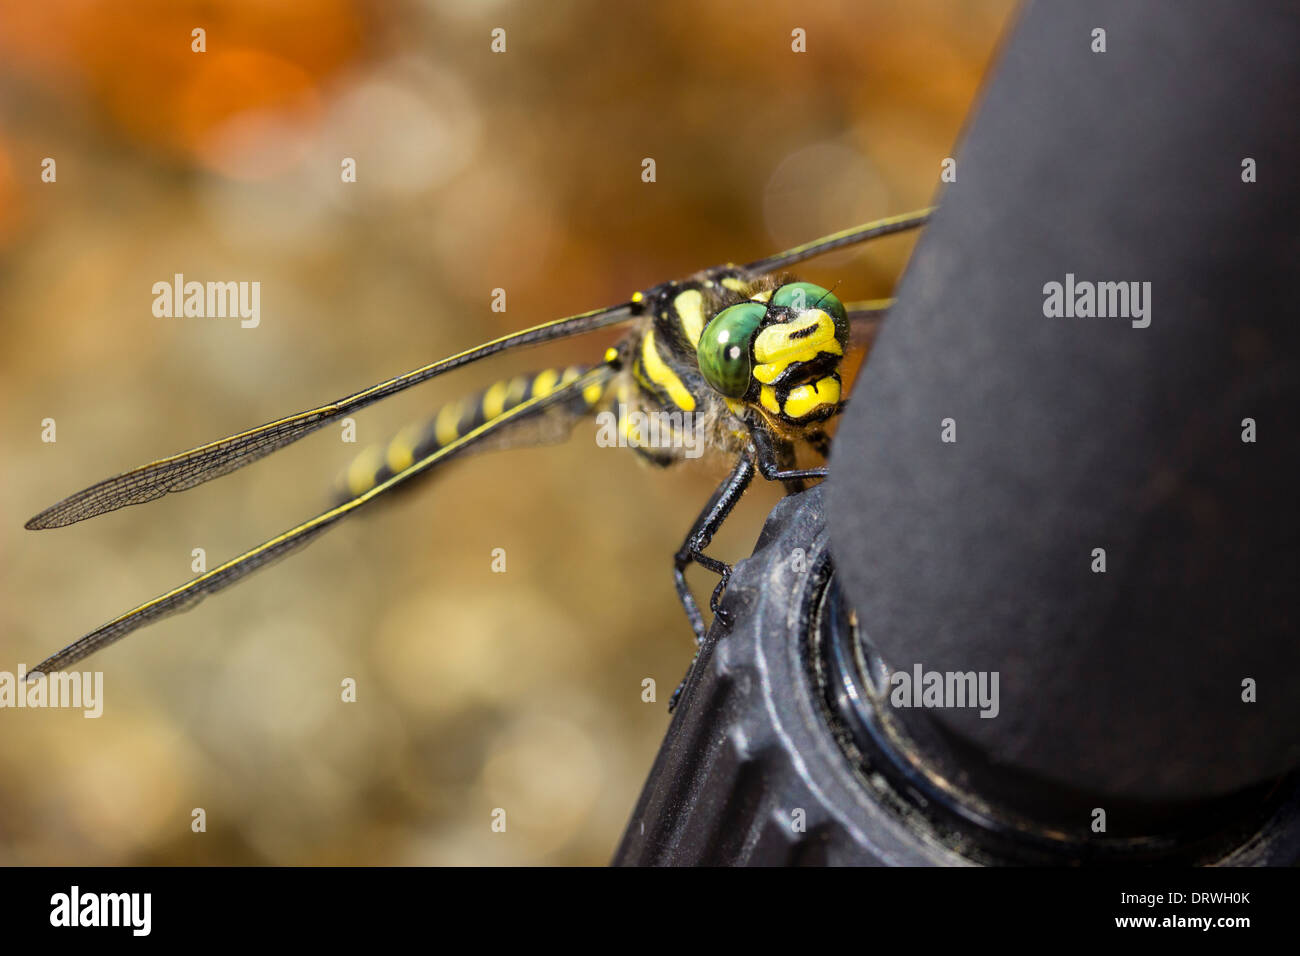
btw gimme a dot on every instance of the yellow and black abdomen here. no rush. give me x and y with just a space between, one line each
457 419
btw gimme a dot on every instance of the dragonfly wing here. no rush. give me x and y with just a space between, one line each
188 469
848 237
219 578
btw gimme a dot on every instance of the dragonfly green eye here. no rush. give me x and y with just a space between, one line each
725 349
801 296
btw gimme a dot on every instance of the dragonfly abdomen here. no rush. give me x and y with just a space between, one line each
378 463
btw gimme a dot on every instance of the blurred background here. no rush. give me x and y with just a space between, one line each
475 170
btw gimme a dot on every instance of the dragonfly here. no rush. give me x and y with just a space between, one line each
746 355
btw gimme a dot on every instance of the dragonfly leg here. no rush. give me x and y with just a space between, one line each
692 551
773 462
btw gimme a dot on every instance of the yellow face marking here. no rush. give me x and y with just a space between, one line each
769 372
767 396
494 400
444 426
690 307
734 284
763 297
362 471
815 331
804 399
401 450
662 375
545 383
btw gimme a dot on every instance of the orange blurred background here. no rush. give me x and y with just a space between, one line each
475 170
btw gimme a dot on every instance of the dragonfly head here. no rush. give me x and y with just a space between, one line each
780 354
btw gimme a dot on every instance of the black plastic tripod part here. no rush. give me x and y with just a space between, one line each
750 772
1163 437
780 752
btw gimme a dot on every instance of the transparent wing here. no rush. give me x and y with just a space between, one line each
849 237
868 311
220 578
193 467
